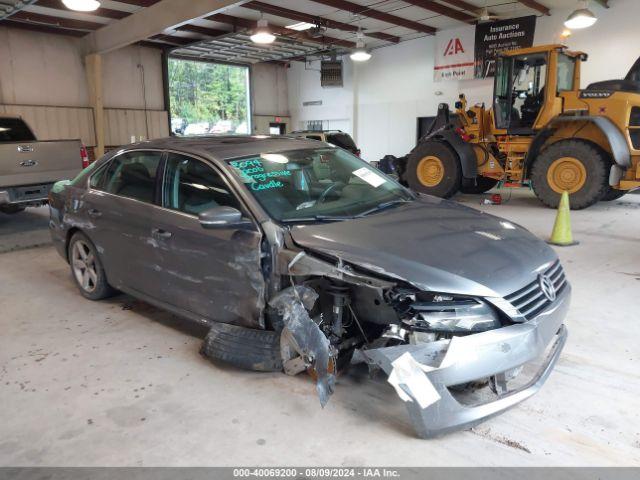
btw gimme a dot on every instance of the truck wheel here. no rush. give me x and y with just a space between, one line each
483 184
86 268
11 209
613 194
434 168
574 166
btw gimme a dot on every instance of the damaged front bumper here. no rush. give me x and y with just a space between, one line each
490 354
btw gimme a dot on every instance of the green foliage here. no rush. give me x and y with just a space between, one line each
208 92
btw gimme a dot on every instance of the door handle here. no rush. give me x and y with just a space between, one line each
93 213
160 233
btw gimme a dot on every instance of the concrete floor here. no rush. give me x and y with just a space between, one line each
121 383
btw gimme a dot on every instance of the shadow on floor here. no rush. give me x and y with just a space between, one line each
26 229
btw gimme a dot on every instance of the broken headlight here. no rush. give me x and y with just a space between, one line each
451 315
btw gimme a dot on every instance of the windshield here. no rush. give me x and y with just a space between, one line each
317 184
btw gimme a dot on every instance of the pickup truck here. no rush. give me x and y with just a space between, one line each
29 168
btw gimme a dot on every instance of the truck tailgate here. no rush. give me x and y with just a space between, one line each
32 163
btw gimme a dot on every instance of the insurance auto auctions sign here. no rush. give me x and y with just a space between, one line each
494 37
454 54
470 52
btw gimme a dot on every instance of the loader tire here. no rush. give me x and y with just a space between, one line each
434 168
483 184
246 348
613 194
572 165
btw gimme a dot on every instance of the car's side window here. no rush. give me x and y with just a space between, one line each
192 186
131 175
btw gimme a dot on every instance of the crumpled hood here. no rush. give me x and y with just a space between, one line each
435 245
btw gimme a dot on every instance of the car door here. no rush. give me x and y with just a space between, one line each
212 273
118 208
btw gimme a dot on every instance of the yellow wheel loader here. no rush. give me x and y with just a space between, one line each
543 131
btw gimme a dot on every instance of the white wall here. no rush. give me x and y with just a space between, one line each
396 86
269 90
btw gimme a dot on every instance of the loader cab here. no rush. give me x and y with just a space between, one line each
528 86
520 91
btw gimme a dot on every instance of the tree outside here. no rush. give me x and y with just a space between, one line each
208 97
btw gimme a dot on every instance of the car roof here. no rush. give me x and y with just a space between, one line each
316 131
223 147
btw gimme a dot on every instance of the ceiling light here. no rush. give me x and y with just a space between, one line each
360 53
262 33
82 5
300 26
581 18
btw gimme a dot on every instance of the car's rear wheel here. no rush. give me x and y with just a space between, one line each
434 168
86 268
574 166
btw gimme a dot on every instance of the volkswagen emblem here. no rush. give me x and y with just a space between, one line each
547 287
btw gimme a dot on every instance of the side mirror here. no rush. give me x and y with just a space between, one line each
222 217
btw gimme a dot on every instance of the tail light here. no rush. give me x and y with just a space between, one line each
358 152
84 157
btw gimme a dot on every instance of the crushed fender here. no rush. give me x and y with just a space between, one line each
293 304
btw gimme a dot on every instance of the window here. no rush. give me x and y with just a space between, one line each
192 186
208 97
529 78
131 175
566 70
316 184
15 130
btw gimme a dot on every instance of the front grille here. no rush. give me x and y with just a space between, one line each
531 300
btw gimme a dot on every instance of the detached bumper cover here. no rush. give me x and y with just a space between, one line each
476 357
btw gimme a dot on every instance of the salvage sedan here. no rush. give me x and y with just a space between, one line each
301 257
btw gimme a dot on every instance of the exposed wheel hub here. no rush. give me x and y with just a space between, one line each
566 173
430 171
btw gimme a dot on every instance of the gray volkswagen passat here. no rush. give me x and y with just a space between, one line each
301 257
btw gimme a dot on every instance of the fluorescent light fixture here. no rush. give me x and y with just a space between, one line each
360 53
581 18
262 34
300 26
82 5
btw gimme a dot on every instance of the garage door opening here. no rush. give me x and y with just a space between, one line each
207 97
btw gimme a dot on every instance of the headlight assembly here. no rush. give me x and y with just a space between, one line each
448 314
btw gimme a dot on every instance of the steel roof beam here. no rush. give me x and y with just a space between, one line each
443 10
536 6
305 17
153 20
365 11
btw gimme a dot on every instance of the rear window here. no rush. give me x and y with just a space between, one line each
15 130
342 140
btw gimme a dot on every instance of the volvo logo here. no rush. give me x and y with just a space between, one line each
547 287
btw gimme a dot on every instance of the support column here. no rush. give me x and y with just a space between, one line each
93 65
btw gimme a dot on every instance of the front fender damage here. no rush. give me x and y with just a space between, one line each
293 305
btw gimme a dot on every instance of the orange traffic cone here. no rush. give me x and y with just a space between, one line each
561 234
